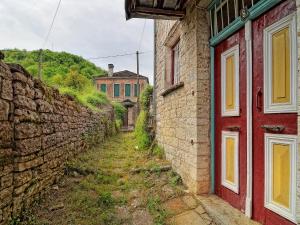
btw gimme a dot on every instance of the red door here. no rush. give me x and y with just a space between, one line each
274 115
230 122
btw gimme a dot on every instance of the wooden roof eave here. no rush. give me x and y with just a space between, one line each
135 11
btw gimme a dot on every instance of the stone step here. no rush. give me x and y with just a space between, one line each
222 212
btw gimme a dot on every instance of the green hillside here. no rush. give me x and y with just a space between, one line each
70 74
54 63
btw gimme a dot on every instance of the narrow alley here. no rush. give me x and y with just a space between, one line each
118 184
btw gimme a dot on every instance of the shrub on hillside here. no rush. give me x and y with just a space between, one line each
53 63
141 125
119 113
145 97
140 131
76 80
97 99
119 110
82 90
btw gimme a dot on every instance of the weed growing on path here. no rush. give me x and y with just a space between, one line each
99 188
155 208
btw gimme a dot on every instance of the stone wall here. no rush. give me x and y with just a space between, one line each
182 116
39 131
6 143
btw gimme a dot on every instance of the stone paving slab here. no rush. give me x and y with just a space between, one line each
222 212
175 206
186 210
189 218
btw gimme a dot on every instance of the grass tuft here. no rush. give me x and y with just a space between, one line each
105 200
141 134
175 179
157 211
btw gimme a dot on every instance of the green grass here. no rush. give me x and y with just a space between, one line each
141 134
174 179
54 63
141 126
158 151
156 209
107 183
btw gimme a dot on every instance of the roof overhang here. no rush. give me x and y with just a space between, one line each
121 78
128 103
155 9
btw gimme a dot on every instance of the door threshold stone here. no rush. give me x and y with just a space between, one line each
222 212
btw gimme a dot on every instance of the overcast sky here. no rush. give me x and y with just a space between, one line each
89 28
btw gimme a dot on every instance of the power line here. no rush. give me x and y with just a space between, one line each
115 56
142 35
52 23
110 56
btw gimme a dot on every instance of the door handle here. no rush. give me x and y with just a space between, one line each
258 99
273 128
233 128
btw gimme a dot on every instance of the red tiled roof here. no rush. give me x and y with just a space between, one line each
123 74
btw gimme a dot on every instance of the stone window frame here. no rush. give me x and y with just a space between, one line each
172 40
175 63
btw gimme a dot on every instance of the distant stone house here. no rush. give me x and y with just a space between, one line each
122 87
227 99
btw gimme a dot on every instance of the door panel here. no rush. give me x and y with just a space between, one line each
277 159
281 174
281 67
230 81
230 120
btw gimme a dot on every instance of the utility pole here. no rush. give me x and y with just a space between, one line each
138 80
40 63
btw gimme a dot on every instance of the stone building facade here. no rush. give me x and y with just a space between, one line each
182 115
122 87
40 130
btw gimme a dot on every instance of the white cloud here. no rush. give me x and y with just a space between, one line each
88 28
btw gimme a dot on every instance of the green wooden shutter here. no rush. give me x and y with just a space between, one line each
136 90
117 90
103 88
127 90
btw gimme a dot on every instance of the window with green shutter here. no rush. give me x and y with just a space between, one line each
116 90
127 90
103 88
136 90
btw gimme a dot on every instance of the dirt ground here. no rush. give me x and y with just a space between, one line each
117 184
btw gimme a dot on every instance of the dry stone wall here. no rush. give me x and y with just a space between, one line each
40 130
6 143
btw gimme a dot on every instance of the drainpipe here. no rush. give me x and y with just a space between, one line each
212 119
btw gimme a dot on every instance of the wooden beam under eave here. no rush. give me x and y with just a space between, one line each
162 12
160 4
